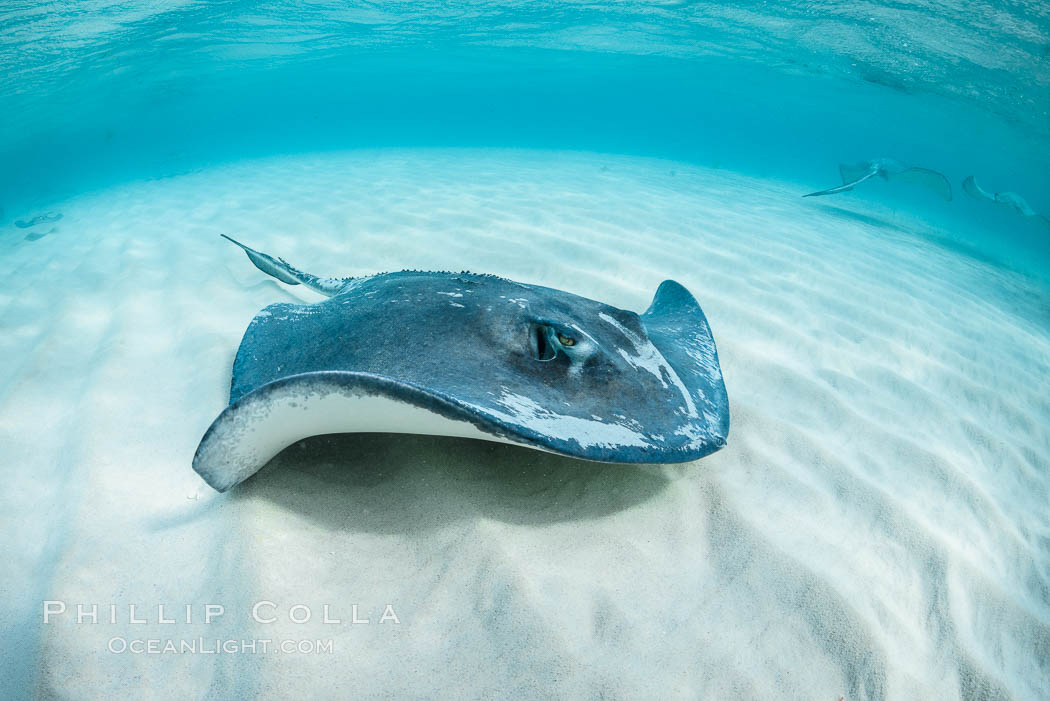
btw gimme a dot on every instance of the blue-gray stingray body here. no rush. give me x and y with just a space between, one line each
1008 199
496 358
890 170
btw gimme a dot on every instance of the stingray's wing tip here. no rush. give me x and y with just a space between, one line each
853 172
928 178
971 188
941 184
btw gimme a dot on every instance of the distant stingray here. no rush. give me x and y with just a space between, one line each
888 169
39 219
1010 199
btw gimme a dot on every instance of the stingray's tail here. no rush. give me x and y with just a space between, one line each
280 269
830 191
851 177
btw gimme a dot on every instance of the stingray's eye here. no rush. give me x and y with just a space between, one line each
550 340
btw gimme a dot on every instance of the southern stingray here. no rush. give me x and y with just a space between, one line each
890 170
471 355
1009 199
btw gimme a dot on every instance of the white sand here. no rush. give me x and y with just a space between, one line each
877 527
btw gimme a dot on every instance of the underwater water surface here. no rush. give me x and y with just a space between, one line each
878 526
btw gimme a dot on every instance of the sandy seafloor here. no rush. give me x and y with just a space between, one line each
876 528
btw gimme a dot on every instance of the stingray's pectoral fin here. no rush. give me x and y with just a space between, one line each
853 173
280 269
676 325
927 178
971 188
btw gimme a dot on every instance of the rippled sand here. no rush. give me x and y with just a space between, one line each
876 528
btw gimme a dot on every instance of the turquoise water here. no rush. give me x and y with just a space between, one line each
877 526
101 92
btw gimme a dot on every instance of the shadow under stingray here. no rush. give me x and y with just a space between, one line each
402 483
906 233
868 219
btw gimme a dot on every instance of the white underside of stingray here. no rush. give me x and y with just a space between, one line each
266 424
